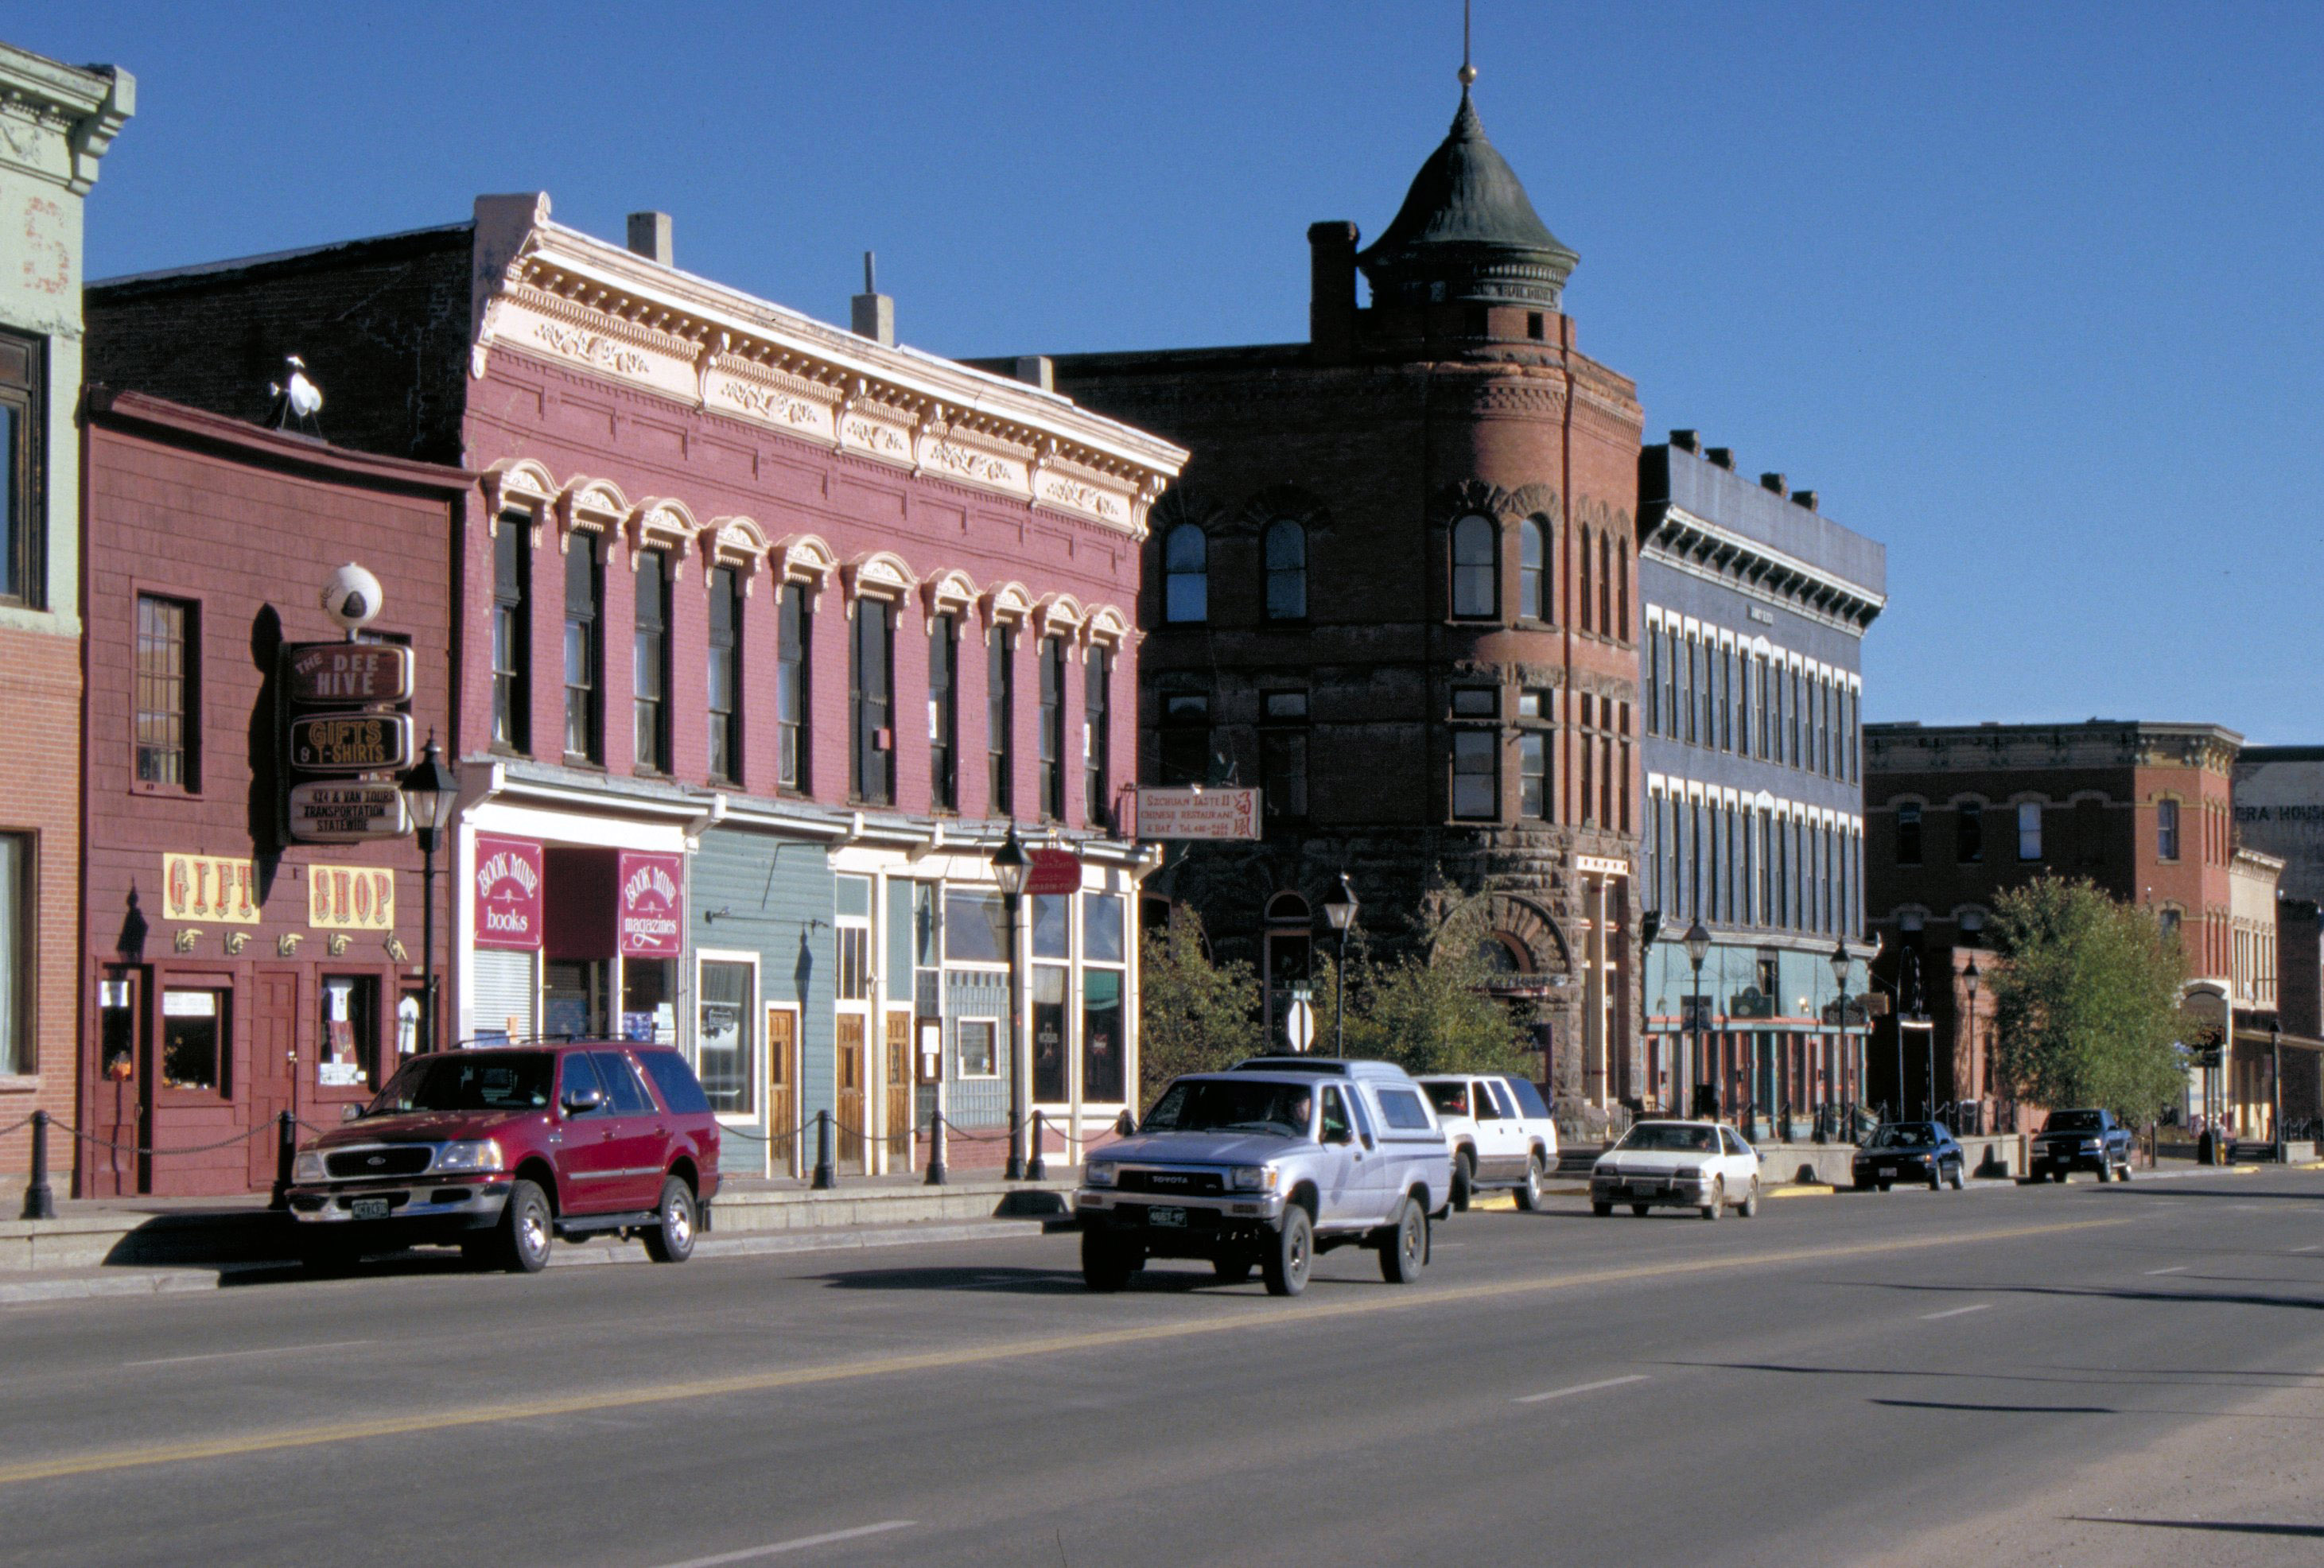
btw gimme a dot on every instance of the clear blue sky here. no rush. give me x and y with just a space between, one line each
2031 293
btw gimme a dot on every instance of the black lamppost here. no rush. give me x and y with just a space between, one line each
430 789
1650 925
1011 866
1698 948
1972 976
1340 909
2275 1084
1840 962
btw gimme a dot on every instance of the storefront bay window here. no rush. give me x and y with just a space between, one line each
724 1035
1052 953
1105 973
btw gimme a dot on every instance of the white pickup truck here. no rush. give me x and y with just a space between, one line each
1502 1134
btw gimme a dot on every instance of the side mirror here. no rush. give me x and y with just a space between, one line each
1125 1125
350 1110
579 1102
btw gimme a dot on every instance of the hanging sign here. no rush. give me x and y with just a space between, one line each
345 813
350 898
348 674
1053 871
1188 812
508 892
350 742
653 905
208 887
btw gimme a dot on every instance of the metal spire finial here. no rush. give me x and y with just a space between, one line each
1468 71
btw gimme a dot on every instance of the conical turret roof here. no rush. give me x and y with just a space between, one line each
1467 231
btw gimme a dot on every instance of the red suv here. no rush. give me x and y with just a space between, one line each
501 1149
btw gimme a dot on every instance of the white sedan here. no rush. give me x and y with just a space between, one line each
1687 1164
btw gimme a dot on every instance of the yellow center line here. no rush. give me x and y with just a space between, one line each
1302 1314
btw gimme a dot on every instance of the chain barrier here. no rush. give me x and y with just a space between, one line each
267 1128
770 1139
18 1126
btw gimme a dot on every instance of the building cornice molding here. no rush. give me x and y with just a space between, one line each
57 121
555 294
1680 539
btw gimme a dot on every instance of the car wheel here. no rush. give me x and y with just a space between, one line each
1530 1197
1406 1247
1603 1211
1107 1261
2061 1175
2122 1171
1884 1186
1750 1205
1464 1179
671 1240
1937 1176
1861 1184
2106 1171
1711 1210
1232 1270
1286 1264
1640 1209
527 1230
1960 1175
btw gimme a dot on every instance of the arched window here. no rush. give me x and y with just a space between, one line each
1583 551
1531 554
1476 570
1288 909
1286 552
1185 575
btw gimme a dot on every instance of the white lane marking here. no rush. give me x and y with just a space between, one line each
233 1355
1582 1388
1956 1312
2310 1248
2174 1268
801 1544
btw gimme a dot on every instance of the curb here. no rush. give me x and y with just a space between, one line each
1800 1190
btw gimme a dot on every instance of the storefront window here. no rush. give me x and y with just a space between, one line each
1102 928
193 1037
1052 917
349 1037
650 1001
976 928
980 1055
1049 987
724 1057
572 998
1102 1046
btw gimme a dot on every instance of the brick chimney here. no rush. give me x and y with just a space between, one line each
1774 483
1685 441
650 236
1332 291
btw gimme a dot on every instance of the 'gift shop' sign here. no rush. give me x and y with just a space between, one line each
208 887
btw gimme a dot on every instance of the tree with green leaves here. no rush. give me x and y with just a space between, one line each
1193 1016
1429 1015
2086 1000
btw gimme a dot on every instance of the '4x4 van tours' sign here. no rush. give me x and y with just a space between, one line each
508 892
653 898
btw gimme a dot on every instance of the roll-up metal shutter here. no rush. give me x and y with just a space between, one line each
505 993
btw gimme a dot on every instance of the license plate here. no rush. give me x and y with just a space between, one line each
1887 1170
368 1208
1167 1218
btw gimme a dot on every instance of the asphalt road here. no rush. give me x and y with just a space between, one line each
2011 1375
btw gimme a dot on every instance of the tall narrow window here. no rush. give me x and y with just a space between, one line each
791 685
1053 728
2029 830
1654 682
1476 775
1186 729
1097 743
583 661
1797 703
944 712
1656 860
1908 834
1533 775
1587 743
1687 681
1969 831
650 663
1533 579
1608 786
168 731
1285 548
1185 575
871 668
22 507
18 951
1759 704
725 675
1670 680
1766 911
1582 597
1283 757
1726 697
512 634
1606 627
1740 700
1780 849
1622 592
999 719
1476 571
2166 829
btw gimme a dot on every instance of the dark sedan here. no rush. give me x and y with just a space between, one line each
1910 1151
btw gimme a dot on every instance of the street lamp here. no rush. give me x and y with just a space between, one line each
1698 948
2275 1084
1650 925
1340 909
430 790
1975 1080
1840 964
1011 866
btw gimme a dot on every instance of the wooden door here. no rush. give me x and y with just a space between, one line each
852 1145
899 1087
273 1065
783 1090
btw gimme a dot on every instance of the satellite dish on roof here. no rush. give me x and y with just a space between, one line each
352 596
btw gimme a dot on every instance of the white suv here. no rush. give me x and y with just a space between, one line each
1500 1130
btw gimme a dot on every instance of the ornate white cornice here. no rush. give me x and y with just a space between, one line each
561 296
1704 548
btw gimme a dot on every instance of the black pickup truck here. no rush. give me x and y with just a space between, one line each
2072 1141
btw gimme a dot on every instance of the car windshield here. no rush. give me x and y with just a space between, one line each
1452 1099
1231 1106
1670 1135
1904 1135
2075 1121
467 1081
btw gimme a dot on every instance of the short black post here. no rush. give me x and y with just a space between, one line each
1014 1170
826 1176
936 1171
40 1202
286 1155
1037 1168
